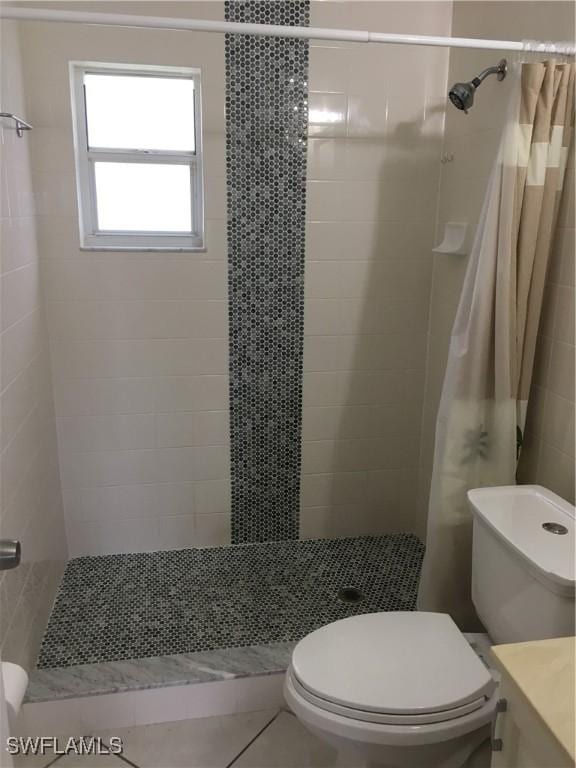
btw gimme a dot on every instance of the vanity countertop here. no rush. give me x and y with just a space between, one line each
544 672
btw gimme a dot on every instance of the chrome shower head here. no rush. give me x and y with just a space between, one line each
462 94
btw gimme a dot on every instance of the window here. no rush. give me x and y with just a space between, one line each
137 137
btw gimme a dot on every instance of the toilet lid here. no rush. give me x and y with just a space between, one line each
401 663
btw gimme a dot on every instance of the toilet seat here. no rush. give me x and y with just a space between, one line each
323 721
398 668
383 717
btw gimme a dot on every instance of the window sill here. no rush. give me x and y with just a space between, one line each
143 249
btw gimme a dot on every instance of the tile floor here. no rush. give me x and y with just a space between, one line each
263 739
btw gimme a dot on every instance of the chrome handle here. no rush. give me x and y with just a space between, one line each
496 744
9 554
21 125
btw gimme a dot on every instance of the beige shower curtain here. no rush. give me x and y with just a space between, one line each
489 370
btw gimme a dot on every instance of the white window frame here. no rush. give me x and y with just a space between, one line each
91 237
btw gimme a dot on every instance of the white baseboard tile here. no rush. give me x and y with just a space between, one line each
81 716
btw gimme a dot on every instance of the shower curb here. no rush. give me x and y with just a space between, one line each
108 677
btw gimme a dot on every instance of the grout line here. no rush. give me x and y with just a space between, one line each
257 736
119 757
26 316
52 762
125 760
59 757
26 369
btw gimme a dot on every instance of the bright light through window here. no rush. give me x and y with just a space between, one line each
138 147
134 112
144 197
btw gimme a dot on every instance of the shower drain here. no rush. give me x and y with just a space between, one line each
350 595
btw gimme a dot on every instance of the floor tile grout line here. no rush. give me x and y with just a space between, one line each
59 757
125 760
52 762
121 757
257 736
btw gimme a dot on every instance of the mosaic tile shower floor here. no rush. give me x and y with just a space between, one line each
131 606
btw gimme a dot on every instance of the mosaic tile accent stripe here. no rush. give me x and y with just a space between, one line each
266 127
116 607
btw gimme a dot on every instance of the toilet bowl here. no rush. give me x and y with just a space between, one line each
398 688
405 689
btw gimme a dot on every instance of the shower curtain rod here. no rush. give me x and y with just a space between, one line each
273 30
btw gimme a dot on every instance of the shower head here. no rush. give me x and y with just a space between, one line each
462 94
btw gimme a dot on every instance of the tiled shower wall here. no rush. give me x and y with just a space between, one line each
139 341
31 502
472 141
375 127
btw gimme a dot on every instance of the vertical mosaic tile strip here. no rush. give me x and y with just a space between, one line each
266 126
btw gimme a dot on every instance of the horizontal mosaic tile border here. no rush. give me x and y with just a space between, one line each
266 128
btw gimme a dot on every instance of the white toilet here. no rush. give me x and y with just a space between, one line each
405 689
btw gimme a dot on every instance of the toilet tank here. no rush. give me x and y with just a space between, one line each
523 579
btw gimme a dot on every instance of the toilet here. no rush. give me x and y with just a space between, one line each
405 689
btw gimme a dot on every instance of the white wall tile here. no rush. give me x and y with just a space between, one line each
212 530
327 114
17 243
138 340
18 399
374 351
167 465
112 502
128 276
362 240
154 319
113 536
96 468
212 497
329 67
138 358
102 433
353 387
102 396
206 463
328 456
192 393
177 532
20 293
31 504
371 216
192 429
333 422
20 343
